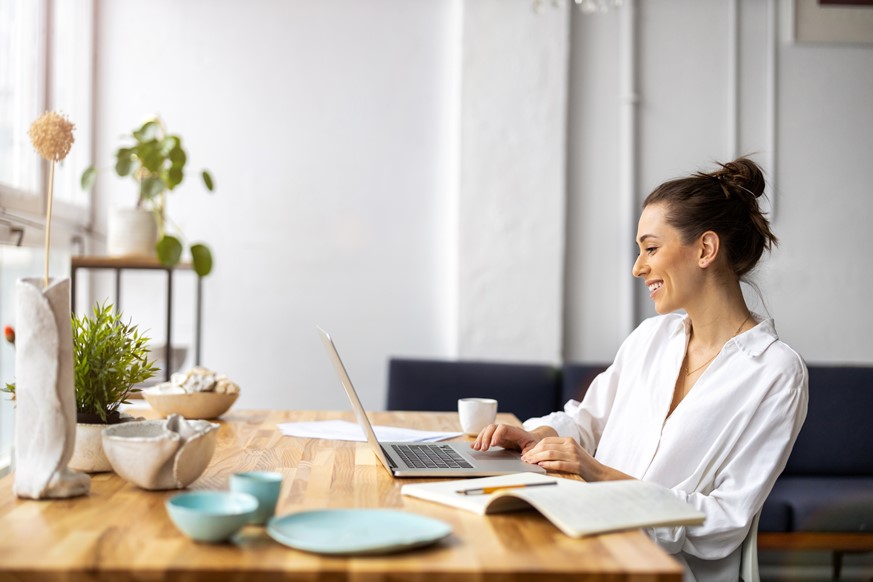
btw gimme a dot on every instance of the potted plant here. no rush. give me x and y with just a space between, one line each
156 160
110 357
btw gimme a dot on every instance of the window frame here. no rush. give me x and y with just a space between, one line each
32 205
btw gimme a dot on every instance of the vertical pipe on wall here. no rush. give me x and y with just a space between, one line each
772 96
628 163
733 80
451 209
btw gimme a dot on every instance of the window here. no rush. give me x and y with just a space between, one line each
46 54
46 51
22 35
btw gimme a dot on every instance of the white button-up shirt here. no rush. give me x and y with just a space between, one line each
722 447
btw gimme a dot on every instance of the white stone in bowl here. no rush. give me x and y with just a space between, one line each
160 454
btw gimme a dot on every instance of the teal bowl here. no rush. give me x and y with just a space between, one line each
211 516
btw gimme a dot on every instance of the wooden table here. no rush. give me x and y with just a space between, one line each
121 532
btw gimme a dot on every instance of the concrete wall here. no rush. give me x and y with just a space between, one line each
444 179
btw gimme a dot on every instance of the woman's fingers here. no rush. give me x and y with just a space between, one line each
483 440
556 454
502 435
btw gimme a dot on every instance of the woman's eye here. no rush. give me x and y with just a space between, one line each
651 250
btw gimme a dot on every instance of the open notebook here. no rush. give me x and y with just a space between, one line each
577 508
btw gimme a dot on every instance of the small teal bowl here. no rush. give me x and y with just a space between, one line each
211 516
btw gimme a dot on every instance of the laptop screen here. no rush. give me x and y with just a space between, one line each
346 382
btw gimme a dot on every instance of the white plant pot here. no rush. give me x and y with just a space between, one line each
133 232
88 455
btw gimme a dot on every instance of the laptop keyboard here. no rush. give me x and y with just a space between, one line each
431 457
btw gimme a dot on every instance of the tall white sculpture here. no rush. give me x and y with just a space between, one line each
45 411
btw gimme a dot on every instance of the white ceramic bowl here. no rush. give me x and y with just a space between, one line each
152 456
203 405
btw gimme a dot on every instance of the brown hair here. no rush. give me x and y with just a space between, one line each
724 201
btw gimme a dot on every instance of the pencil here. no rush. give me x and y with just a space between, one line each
485 490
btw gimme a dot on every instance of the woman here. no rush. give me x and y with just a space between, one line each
707 403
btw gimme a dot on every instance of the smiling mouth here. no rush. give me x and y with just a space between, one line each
654 287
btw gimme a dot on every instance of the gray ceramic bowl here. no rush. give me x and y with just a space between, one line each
160 454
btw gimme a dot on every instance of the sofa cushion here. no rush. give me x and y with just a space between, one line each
837 435
826 504
576 378
523 389
776 514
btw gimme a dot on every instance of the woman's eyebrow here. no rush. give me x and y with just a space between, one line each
643 238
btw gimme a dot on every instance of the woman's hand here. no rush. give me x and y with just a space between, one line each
566 455
509 437
560 454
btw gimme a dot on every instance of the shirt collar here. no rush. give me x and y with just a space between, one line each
753 342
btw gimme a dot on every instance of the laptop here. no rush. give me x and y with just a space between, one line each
432 459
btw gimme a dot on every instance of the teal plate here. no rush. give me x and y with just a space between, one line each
356 531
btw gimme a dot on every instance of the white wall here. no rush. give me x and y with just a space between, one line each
355 144
819 280
815 282
326 125
511 211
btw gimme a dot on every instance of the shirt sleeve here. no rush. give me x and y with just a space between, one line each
584 421
747 476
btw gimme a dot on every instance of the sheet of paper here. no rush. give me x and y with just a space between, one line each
341 430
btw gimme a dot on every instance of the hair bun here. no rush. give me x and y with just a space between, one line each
742 176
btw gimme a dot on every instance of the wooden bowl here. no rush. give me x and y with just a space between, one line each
192 405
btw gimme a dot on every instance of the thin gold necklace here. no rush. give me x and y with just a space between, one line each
736 333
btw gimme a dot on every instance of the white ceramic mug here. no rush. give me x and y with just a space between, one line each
476 413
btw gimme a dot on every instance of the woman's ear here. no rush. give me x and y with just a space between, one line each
709 246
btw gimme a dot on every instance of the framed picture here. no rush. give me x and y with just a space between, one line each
833 21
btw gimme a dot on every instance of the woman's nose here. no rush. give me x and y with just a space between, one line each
640 267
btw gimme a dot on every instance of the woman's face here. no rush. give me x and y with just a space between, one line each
669 268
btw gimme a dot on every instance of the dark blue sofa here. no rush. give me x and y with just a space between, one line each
824 498
525 390
822 501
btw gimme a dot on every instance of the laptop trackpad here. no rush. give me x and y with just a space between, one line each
494 454
499 459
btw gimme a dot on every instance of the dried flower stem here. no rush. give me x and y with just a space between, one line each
52 138
48 222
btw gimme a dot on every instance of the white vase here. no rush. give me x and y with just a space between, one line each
88 456
45 398
133 232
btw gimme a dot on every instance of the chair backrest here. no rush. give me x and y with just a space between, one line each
525 390
749 554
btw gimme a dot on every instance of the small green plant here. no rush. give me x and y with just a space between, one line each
156 161
109 358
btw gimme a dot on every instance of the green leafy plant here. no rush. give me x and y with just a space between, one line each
109 358
156 160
